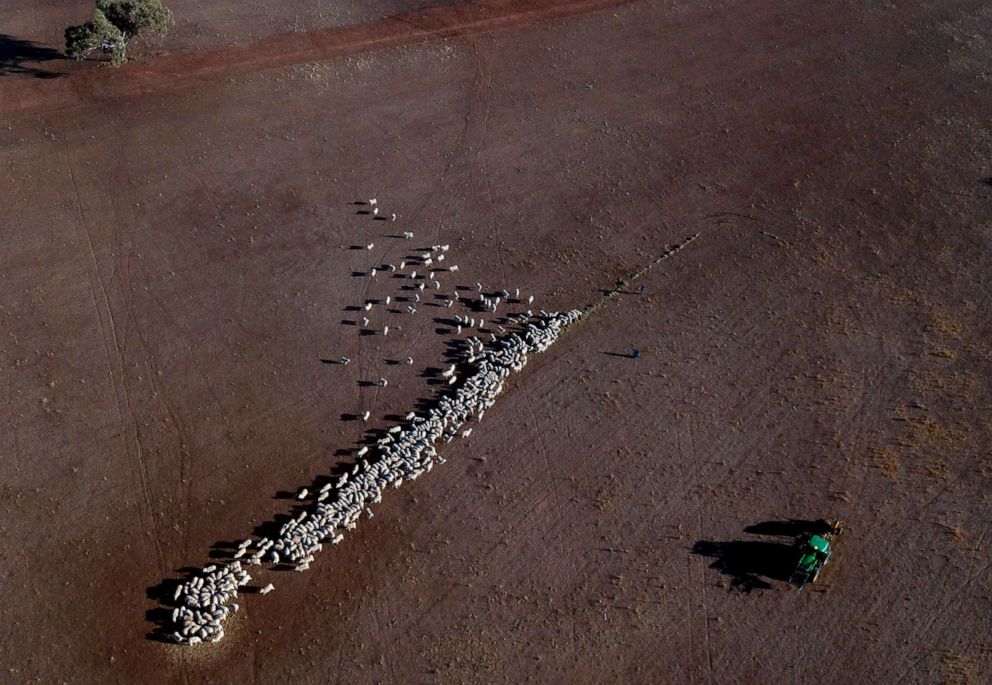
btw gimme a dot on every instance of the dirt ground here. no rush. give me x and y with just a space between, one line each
178 262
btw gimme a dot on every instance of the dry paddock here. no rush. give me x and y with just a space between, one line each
176 264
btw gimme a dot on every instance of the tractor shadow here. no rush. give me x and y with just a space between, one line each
751 564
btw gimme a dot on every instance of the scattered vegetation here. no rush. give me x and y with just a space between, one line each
114 25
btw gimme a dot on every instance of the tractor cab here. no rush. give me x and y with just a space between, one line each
814 553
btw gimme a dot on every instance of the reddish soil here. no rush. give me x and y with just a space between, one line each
177 263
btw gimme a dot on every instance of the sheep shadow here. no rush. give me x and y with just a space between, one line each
160 616
163 593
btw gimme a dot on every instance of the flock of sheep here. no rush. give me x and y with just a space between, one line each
406 452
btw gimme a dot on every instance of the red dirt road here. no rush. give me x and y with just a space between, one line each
178 261
433 23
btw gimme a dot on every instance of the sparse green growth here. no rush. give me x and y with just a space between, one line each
96 33
114 25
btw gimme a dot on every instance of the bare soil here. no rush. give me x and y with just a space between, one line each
178 262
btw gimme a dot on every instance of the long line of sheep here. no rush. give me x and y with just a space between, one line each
405 453
206 599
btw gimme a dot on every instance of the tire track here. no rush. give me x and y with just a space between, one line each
108 330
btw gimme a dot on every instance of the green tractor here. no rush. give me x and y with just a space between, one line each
814 553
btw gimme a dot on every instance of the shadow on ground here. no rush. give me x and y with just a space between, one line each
163 594
750 564
20 56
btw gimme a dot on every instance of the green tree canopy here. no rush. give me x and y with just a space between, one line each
132 16
114 25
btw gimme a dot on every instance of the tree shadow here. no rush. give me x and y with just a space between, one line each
18 56
750 564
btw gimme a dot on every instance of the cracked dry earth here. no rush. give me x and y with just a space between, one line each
176 263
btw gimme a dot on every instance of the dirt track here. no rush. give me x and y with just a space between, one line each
433 23
177 264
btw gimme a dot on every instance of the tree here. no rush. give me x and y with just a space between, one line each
114 24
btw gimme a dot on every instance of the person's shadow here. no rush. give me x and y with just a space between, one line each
20 56
750 564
